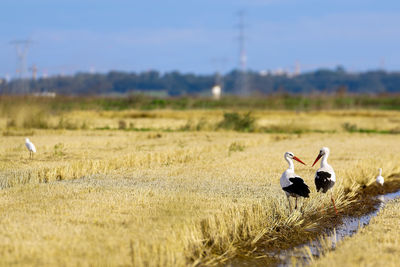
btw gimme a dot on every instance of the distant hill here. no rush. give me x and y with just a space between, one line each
175 83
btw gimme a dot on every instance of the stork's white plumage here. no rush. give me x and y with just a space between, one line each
291 183
379 178
325 176
30 146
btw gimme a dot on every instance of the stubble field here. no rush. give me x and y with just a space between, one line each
170 188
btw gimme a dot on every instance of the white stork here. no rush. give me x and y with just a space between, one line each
379 178
31 147
291 183
325 177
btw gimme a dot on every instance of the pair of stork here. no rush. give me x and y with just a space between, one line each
294 185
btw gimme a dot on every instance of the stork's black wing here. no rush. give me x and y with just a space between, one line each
323 181
297 187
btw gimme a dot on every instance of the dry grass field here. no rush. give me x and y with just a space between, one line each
169 188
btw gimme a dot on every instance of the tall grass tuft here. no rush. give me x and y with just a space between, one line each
36 121
238 122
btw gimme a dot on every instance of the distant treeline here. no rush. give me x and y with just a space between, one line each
178 84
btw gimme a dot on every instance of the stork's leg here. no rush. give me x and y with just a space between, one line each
295 207
290 205
333 202
302 204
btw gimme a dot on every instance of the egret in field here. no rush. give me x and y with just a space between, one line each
379 178
291 183
325 177
31 147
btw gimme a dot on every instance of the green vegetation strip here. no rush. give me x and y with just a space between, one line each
270 102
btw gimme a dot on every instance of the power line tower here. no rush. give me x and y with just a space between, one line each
21 48
243 80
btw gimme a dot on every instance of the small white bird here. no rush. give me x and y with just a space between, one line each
31 147
379 178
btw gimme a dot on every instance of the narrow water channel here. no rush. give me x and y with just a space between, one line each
349 226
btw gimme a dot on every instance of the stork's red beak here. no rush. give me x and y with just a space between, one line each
316 160
299 160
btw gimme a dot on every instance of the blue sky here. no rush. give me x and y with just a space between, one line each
71 35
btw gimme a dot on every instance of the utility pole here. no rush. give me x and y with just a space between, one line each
218 86
34 70
219 65
382 64
297 69
243 82
21 48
